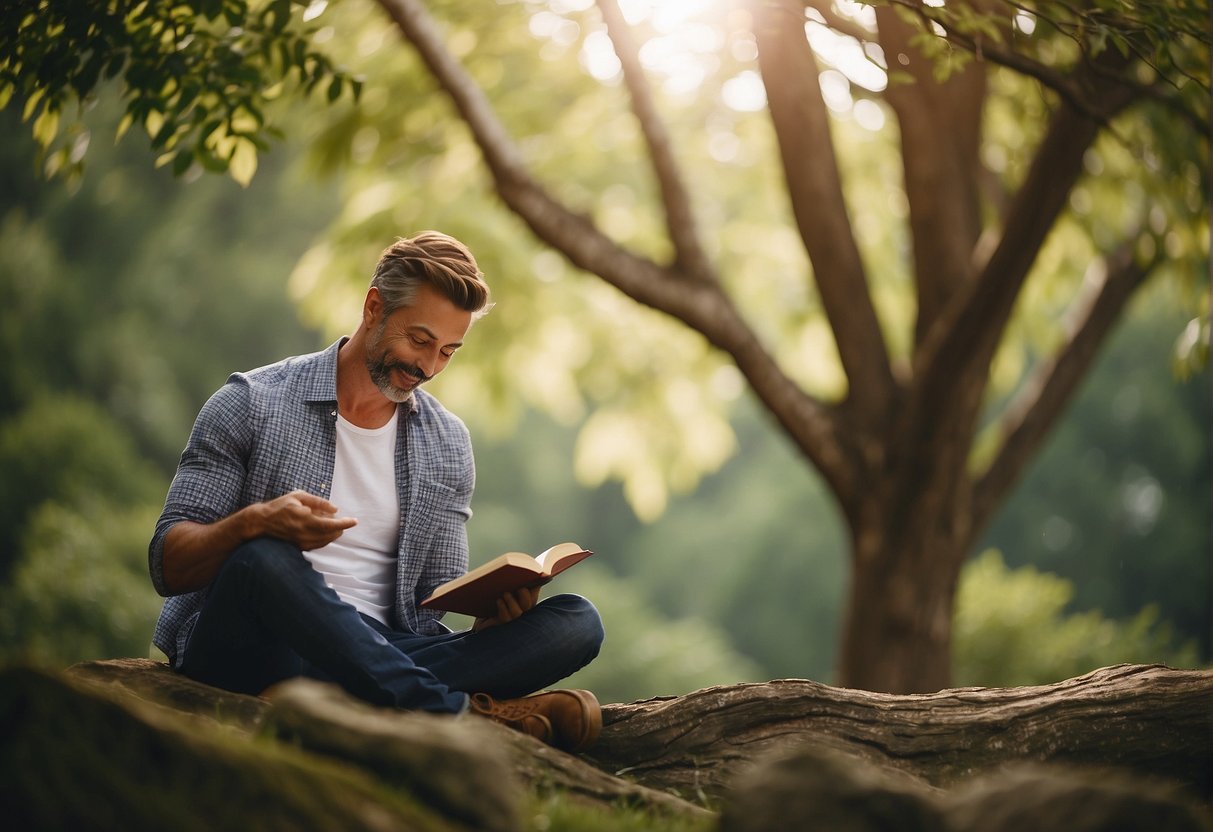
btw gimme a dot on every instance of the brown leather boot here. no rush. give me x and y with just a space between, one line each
568 719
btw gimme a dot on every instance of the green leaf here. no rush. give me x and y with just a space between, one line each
210 162
182 161
32 104
243 162
125 124
46 126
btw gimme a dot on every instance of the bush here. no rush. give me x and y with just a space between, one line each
1011 628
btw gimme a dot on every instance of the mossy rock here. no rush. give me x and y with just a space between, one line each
73 756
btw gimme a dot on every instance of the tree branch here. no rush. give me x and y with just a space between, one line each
1040 403
963 340
680 218
801 123
700 305
940 142
951 367
1065 85
568 232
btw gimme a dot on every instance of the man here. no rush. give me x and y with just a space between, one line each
320 499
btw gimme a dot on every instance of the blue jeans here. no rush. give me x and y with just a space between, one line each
270 616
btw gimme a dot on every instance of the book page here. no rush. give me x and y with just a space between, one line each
551 560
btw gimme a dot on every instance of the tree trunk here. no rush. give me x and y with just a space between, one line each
911 530
1150 719
897 625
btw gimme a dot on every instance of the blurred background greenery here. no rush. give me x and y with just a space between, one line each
127 296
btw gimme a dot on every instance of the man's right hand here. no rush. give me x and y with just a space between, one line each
195 552
304 519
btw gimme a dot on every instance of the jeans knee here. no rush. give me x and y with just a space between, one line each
265 558
582 621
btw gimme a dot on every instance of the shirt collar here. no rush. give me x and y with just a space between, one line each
320 376
320 379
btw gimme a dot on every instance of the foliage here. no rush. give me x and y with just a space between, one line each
64 448
1013 628
775 585
106 295
81 590
1117 501
197 76
650 651
1169 39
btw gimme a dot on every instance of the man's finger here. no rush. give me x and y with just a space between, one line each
531 594
315 503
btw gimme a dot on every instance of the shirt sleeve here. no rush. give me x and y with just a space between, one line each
212 471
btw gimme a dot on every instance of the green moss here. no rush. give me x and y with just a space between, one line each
561 812
71 760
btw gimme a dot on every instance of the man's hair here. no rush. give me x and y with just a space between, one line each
434 258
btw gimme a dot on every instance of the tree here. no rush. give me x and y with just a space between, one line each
897 449
919 449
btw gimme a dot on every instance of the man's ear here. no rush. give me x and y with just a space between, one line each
372 307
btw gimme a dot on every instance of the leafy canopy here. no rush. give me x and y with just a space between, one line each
196 75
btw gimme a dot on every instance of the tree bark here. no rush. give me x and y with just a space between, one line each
940 127
814 184
897 624
1150 719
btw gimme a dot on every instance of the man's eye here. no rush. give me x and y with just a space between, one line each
448 353
417 341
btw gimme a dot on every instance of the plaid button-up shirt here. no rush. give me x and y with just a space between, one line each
273 430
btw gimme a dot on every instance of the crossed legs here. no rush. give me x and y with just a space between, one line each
270 616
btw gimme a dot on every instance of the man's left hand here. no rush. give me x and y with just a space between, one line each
510 605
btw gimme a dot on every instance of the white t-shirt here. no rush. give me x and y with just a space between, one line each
361 564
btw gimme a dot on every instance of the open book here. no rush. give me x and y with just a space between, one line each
476 593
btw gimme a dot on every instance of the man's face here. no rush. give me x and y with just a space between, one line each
414 343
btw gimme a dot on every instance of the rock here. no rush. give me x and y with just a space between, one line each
811 788
463 762
454 764
376 740
154 682
1058 798
73 756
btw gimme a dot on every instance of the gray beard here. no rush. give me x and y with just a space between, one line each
382 376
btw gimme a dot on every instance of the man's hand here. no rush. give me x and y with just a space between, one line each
304 519
510 605
194 552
